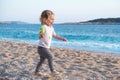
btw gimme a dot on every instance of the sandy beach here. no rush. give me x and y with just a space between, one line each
18 62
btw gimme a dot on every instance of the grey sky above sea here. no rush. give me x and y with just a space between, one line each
65 10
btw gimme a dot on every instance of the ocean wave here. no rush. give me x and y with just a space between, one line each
94 46
31 32
93 38
87 37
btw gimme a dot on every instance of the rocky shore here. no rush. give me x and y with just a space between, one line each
18 62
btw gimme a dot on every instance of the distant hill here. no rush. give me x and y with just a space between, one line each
99 21
12 22
102 21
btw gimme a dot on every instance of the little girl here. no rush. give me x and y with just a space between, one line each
45 36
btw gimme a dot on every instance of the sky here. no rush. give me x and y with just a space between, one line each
65 10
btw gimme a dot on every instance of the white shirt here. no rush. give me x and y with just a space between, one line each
47 37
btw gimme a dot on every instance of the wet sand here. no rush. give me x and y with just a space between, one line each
18 62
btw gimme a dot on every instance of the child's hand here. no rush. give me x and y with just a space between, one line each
40 36
64 39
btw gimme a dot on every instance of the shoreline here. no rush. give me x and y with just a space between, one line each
92 52
18 60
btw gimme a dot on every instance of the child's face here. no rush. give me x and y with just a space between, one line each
50 20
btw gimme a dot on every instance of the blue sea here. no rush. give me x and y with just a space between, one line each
99 38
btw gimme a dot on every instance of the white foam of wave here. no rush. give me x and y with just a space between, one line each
23 41
85 45
31 32
90 34
98 46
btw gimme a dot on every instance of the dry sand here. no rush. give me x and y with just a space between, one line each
18 62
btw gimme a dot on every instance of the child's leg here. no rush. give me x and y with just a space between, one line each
42 59
50 63
45 53
49 57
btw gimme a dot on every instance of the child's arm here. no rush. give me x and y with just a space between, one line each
59 38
